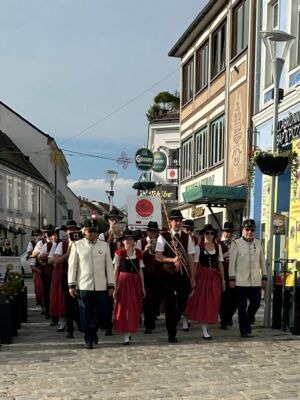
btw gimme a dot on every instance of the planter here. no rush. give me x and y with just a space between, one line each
23 298
14 314
272 166
5 322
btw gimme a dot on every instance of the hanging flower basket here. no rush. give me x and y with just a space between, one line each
272 165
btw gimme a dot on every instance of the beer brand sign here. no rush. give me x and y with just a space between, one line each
288 129
144 159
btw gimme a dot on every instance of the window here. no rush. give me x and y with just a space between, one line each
240 27
188 81
17 194
218 51
202 67
1 192
295 31
216 142
10 194
201 150
173 158
186 159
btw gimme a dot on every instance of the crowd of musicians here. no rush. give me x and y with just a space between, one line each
116 281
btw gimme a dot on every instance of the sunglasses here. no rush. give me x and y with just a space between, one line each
249 229
209 233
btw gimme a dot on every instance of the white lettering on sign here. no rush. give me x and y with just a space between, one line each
143 159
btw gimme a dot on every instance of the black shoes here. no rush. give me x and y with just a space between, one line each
126 343
70 335
108 332
224 327
207 337
172 339
148 331
246 335
89 346
96 339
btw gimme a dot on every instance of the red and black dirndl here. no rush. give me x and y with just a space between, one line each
57 298
38 288
204 304
129 298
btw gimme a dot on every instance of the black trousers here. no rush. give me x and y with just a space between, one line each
93 312
151 303
228 305
176 293
70 304
247 314
108 325
46 279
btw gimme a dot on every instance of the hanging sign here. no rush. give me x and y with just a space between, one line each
142 209
144 159
160 161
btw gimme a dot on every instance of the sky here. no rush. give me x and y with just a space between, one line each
86 71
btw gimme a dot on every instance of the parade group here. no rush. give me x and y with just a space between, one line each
116 281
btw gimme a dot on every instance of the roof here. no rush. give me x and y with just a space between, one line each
196 27
172 116
12 157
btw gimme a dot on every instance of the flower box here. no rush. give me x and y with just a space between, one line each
272 166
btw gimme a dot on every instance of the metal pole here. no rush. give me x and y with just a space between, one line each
277 66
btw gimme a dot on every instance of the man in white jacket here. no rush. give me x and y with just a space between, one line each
91 279
248 273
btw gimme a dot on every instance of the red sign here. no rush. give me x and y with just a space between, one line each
144 208
93 214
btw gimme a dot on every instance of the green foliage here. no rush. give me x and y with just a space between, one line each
163 102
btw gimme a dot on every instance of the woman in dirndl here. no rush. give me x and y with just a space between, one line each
130 289
208 279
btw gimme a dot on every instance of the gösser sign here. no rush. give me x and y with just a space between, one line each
144 159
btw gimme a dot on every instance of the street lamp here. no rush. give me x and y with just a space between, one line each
111 177
278 44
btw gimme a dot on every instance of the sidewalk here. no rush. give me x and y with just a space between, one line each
42 364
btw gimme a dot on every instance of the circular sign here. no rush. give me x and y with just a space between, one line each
144 208
172 173
160 161
144 159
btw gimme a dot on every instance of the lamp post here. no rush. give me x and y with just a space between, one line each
278 44
111 177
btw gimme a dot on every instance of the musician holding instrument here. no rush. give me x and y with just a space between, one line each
112 238
152 276
175 251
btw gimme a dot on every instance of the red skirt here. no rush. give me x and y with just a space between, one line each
38 288
204 304
57 298
128 305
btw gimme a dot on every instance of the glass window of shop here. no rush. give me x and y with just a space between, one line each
240 22
188 81
202 67
10 193
216 141
218 51
186 159
1 192
295 31
201 150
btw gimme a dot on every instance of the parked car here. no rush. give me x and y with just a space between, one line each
25 264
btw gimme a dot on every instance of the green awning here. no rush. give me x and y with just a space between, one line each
215 195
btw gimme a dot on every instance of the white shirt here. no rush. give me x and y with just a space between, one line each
118 258
58 250
52 250
161 242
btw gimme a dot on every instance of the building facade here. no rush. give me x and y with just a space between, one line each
217 72
285 16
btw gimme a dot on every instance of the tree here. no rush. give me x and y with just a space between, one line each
163 102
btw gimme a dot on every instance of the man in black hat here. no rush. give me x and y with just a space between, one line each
91 279
229 301
152 276
112 237
248 273
175 250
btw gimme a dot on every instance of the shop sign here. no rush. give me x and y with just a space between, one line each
144 159
167 192
159 162
288 129
210 180
142 209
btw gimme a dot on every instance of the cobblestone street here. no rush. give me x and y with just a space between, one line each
42 364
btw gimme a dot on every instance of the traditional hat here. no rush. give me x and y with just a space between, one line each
48 227
188 223
127 233
36 232
249 223
228 227
208 227
152 226
175 214
113 214
71 224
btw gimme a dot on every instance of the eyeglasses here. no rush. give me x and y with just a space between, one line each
209 233
249 230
